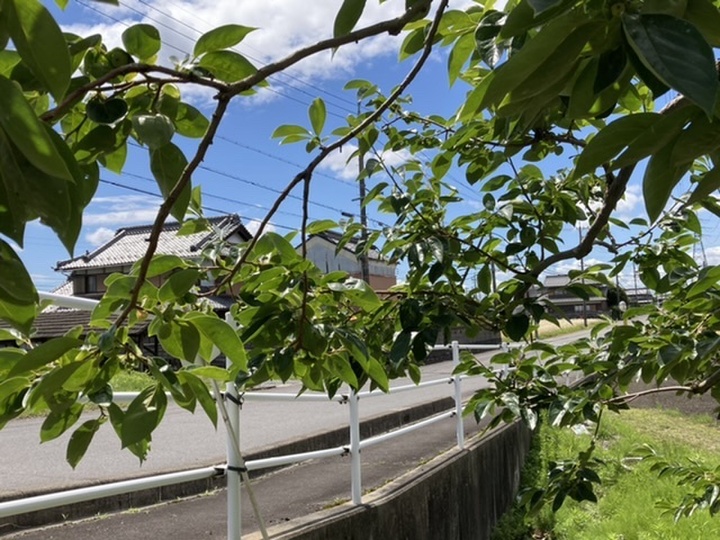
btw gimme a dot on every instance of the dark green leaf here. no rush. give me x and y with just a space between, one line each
540 6
706 17
661 176
708 184
677 54
227 66
58 422
80 441
106 111
348 16
40 42
142 41
401 347
517 326
27 133
167 164
222 37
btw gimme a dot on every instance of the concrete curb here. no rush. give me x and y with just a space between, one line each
318 441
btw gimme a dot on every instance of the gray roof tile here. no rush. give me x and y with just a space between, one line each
130 244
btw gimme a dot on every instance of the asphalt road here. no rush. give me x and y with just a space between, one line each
186 441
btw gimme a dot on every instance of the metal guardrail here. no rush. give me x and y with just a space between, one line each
234 460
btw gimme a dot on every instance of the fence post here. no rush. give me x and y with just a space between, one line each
234 517
459 427
355 468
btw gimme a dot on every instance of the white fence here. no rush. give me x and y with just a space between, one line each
235 465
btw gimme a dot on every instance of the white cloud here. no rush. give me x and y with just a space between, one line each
628 205
713 255
100 236
283 26
337 163
121 211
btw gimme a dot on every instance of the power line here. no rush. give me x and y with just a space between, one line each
186 53
339 97
157 195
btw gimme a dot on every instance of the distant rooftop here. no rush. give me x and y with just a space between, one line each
130 243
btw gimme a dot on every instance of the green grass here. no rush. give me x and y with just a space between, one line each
628 509
131 381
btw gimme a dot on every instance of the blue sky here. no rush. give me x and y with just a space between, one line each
245 167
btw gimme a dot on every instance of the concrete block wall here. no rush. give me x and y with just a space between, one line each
459 495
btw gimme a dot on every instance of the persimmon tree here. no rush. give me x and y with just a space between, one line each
578 83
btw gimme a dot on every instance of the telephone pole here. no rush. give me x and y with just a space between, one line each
364 263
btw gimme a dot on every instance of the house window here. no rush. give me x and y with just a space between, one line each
91 283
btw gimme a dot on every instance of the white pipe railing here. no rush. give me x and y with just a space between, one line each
74 496
233 400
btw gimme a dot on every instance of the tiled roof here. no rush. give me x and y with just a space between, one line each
55 322
130 243
557 281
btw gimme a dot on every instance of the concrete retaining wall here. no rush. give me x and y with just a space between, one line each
459 495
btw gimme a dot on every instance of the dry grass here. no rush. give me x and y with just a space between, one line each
547 329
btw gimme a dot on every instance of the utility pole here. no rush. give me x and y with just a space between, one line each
364 263
582 269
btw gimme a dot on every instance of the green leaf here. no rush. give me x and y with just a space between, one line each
708 184
677 54
222 37
142 41
167 164
202 394
81 439
317 227
227 66
58 422
212 372
401 347
317 114
142 416
348 16
539 6
40 42
190 122
162 264
656 136
15 282
705 15
104 111
459 55
661 176
154 130
700 138
288 130
517 326
222 335
546 50
612 139
27 133
44 354
178 285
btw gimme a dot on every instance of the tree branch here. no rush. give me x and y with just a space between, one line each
354 132
166 206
